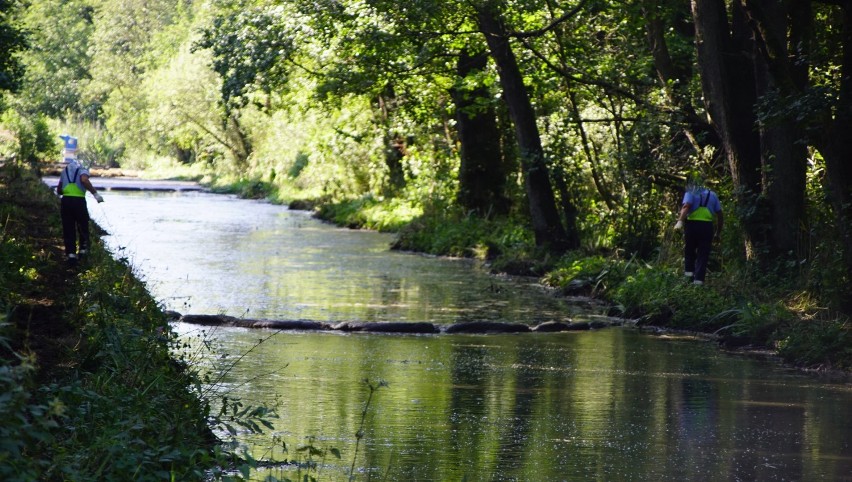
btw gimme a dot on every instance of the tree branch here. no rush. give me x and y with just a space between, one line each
538 33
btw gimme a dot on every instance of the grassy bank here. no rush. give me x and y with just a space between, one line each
91 388
744 308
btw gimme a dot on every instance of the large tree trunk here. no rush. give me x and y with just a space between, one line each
483 174
835 145
548 229
728 81
832 139
783 152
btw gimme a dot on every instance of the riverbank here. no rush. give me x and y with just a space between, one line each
92 386
744 311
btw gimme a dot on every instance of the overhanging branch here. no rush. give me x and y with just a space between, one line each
538 33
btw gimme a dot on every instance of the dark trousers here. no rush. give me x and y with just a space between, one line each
75 221
698 236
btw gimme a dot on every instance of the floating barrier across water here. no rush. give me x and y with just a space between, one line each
472 327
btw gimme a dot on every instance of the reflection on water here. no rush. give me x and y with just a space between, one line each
213 254
606 405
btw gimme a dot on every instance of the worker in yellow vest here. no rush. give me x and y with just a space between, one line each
700 208
73 184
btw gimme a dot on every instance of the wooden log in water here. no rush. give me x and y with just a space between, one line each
210 320
387 327
307 325
475 327
487 327
225 320
553 327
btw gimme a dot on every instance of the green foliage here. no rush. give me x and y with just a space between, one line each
450 232
29 421
592 275
33 140
662 297
247 188
818 344
12 42
369 213
124 361
250 46
57 65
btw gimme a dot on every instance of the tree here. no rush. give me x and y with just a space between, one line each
483 170
130 40
547 225
57 64
674 70
12 42
727 77
794 40
250 45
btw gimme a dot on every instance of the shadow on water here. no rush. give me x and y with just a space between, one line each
607 405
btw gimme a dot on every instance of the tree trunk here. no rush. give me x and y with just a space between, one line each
783 152
482 174
835 145
548 229
728 82
675 80
238 140
395 144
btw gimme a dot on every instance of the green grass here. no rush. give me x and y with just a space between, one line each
95 384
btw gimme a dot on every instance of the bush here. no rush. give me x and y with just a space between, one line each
820 344
664 298
593 275
29 421
451 232
33 140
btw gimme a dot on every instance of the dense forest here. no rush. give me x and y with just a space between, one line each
550 138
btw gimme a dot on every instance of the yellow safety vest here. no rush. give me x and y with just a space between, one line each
702 213
71 188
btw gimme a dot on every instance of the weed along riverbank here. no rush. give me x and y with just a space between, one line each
94 382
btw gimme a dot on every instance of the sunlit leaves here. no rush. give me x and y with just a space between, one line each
11 42
251 47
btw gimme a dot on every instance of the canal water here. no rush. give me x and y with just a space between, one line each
612 404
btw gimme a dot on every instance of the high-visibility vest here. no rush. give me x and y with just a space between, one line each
702 213
72 186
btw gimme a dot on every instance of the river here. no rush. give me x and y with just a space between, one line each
612 404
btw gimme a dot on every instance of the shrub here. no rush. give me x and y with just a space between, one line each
821 344
33 140
593 275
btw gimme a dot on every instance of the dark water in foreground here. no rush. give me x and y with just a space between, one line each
608 405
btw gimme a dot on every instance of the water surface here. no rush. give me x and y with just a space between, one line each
607 405
212 254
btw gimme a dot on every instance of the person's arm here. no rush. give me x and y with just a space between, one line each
684 212
681 217
89 187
